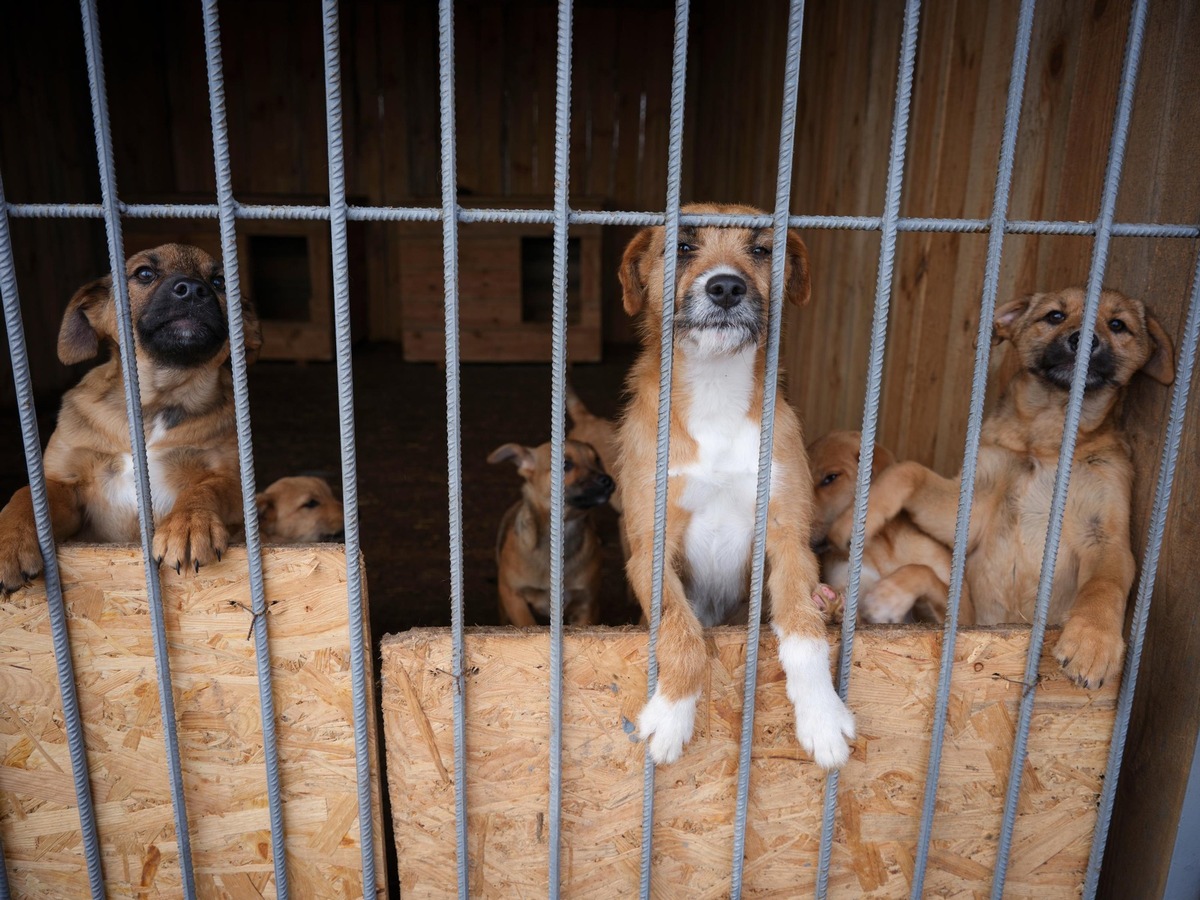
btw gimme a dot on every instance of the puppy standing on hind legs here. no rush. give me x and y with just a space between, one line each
721 308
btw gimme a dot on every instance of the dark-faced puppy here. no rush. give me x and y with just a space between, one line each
523 542
721 305
299 509
1014 482
177 300
904 570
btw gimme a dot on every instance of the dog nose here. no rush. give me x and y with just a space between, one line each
1073 340
726 291
190 289
605 481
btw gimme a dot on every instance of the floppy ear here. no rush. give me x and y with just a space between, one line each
1007 315
881 459
251 331
78 337
798 288
523 457
633 281
266 510
1161 364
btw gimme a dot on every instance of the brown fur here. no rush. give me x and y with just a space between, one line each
903 569
793 576
601 433
523 542
299 510
1018 457
189 423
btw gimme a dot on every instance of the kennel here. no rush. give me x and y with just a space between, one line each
735 808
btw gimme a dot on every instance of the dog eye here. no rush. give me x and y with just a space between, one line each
760 250
1054 316
568 465
1116 326
144 274
829 479
685 248
311 504
218 282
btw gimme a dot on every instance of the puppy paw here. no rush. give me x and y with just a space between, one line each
886 603
830 602
20 554
839 531
1090 654
667 725
190 538
824 726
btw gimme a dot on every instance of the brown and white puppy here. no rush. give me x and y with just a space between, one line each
523 542
721 302
177 298
300 509
904 570
1014 482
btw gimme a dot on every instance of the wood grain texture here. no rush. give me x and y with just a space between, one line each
220 730
895 675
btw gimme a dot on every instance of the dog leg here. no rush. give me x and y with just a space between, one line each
823 723
20 553
930 499
892 598
513 608
1091 647
194 533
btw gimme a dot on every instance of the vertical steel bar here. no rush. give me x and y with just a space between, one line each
241 401
453 425
666 365
783 199
1112 180
562 177
137 436
72 720
883 290
345 378
5 892
1145 591
966 494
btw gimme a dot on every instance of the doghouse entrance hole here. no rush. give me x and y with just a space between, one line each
280 277
537 279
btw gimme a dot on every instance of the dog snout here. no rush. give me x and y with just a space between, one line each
605 481
726 291
191 290
1073 341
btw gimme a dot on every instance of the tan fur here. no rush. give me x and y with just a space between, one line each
523 541
793 575
1014 481
601 433
903 568
299 510
189 424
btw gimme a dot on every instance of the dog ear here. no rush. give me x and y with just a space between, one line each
522 455
266 510
798 288
881 459
251 331
78 336
633 280
1161 364
1007 315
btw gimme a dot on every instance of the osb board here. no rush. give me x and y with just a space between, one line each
892 694
220 729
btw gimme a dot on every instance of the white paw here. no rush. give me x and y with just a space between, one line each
668 725
823 724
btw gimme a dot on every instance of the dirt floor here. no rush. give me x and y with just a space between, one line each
400 411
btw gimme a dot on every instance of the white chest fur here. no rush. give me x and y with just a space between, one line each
721 481
121 490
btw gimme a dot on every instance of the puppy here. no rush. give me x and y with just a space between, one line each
1014 482
299 510
601 433
177 298
904 570
721 301
523 543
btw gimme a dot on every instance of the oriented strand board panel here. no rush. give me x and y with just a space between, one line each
220 729
892 694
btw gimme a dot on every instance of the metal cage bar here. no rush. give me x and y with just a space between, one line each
241 402
783 199
56 611
883 290
671 222
5 891
449 217
137 437
345 385
1108 202
966 492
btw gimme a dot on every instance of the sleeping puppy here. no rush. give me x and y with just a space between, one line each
177 299
299 510
721 310
1014 482
904 570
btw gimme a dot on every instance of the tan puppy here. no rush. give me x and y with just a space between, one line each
717 393
903 570
523 543
601 433
1018 457
299 510
177 298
